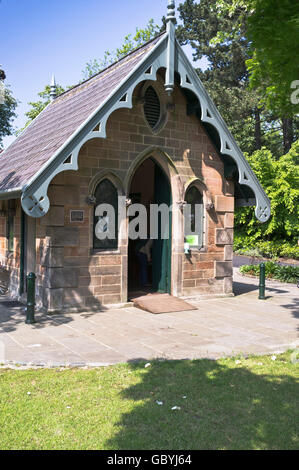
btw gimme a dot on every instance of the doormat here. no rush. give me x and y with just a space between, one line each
161 303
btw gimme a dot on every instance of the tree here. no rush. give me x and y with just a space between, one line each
226 77
273 31
280 179
273 28
130 43
8 106
38 106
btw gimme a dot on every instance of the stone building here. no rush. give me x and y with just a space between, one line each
144 129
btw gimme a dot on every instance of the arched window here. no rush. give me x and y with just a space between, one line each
152 107
105 227
194 216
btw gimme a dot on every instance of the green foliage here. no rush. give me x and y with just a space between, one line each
219 34
201 24
130 43
273 30
280 180
237 106
7 114
38 106
249 246
274 271
251 404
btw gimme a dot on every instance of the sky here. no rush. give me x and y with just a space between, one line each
40 38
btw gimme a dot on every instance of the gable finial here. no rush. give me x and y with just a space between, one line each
170 22
53 88
171 10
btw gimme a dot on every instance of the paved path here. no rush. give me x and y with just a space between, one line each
219 327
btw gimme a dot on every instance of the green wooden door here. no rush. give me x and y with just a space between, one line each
161 252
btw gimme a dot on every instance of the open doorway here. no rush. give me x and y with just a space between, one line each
149 267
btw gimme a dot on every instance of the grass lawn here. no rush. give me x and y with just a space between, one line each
229 405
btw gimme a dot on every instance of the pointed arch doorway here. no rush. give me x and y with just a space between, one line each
150 185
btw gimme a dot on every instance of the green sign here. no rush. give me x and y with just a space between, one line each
192 240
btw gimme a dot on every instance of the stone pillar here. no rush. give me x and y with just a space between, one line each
225 237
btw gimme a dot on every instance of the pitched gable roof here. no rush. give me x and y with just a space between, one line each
51 144
60 119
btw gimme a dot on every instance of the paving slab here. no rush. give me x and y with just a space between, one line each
216 328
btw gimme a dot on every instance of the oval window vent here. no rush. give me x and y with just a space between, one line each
152 107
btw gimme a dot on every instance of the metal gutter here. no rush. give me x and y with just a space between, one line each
11 194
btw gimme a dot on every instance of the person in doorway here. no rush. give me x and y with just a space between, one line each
144 256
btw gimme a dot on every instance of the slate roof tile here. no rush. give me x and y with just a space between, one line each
58 122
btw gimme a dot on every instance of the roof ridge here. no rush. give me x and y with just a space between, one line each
109 66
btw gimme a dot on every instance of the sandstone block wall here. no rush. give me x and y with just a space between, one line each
70 274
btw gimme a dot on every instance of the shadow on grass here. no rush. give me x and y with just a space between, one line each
226 407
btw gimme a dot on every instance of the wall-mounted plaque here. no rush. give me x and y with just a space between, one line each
77 216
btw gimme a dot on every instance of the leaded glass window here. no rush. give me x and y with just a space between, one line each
194 216
105 229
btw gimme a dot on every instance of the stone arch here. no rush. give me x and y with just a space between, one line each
202 187
106 174
116 181
177 192
162 158
207 202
